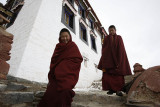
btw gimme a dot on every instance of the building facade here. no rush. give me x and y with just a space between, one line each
36 32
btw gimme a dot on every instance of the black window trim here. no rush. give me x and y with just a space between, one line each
81 26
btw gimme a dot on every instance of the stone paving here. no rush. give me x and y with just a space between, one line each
17 92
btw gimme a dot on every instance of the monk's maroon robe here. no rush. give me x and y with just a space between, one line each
114 60
63 76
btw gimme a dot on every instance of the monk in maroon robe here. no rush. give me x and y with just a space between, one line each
64 73
114 63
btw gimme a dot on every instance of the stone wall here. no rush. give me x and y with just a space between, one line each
5 46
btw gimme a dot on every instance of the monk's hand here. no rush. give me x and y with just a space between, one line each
103 70
117 68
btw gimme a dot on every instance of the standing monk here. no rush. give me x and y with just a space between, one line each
64 73
114 63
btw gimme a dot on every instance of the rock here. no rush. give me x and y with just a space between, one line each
2 87
5 56
17 92
19 80
11 78
5 44
15 87
77 105
97 99
6 39
39 93
128 78
20 105
146 88
35 104
16 97
4 68
23 81
97 85
36 99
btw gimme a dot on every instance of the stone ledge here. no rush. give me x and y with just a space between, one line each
99 98
16 97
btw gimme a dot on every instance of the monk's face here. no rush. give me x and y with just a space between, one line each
65 37
112 31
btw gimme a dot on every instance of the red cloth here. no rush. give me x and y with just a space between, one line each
114 56
65 65
112 82
55 98
63 75
114 60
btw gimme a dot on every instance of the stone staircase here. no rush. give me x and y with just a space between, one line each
17 92
97 99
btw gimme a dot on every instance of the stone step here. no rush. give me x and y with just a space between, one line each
15 87
3 87
93 104
9 98
97 85
128 78
20 99
98 99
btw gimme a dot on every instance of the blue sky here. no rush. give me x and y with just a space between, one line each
138 22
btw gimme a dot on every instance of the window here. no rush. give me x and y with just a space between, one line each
83 33
82 12
91 24
93 43
68 18
71 1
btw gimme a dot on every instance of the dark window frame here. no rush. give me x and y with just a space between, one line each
84 30
71 23
82 12
71 15
71 1
91 24
93 43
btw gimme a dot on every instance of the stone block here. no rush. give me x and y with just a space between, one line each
2 87
15 87
146 88
16 97
5 47
5 56
4 68
39 93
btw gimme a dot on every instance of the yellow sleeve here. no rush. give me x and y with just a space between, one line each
103 70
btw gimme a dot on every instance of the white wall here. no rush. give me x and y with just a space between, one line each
36 43
21 30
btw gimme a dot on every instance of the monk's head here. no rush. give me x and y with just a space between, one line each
64 36
112 30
